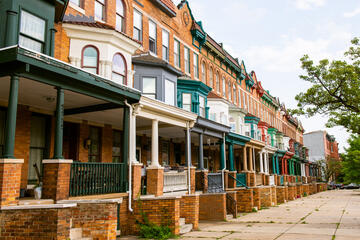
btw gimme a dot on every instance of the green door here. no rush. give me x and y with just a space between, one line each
38 146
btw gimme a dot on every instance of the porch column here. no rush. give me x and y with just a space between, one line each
245 167
231 157
267 164
59 127
277 165
155 143
201 151
261 162
132 138
126 132
273 164
254 160
10 125
222 154
250 159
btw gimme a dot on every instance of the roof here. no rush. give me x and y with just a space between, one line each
214 95
167 6
148 59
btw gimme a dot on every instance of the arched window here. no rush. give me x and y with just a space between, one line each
119 69
120 16
229 90
224 87
203 72
211 76
90 59
217 82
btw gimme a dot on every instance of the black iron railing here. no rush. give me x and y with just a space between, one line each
231 207
215 184
97 178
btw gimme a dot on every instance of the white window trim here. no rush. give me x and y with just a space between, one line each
76 7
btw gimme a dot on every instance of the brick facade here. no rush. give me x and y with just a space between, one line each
155 181
189 209
212 206
201 180
245 200
280 194
10 178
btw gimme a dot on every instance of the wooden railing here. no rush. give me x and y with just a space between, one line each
272 180
215 183
259 179
97 178
231 205
175 181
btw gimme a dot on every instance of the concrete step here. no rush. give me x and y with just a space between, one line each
229 217
181 221
75 233
186 228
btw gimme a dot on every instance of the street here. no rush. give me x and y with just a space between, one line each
326 215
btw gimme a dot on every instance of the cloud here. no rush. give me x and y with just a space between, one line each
309 4
353 13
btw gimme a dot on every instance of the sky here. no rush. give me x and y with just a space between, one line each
272 36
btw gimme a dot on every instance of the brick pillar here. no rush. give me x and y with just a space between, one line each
56 179
155 180
201 180
250 177
136 180
10 179
192 179
231 180
267 180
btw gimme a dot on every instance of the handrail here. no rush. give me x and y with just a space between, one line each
232 209
237 180
215 183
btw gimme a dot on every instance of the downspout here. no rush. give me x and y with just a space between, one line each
222 170
188 137
130 154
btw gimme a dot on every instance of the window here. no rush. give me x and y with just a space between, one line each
187 59
177 53
90 59
196 65
32 32
201 106
211 77
137 25
152 37
76 2
244 103
203 72
229 91
149 87
165 149
165 45
120 16
116 149
169 92
95 144
239 97
119 69
186 100
224 87
213 116
2 131
234 93
100 9
217 82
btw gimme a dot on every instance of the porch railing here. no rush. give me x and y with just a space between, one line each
215 184
231 205
241 180
97 178
259 179
175 181
272 180
281 180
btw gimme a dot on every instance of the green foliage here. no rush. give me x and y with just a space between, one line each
330 167
335 89
351 160
305 194
254 210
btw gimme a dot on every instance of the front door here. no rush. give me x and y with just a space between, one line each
39 147
71 141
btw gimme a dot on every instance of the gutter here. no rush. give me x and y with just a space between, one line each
222 170
188 137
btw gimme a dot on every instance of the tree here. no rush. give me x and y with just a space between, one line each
335 89
330 168
351 160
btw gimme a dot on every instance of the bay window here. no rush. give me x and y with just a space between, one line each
201 106
176 53
169 92
152 37
32 32
100 9
137 26
149 87
90 59
119 69
165 45
120 16
187 59
186 101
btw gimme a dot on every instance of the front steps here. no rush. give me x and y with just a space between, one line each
229 217
76 234
185 228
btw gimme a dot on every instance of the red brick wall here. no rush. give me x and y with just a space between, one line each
280 194
84 134
245 200
257 197
56 181
155 181
201 181
10 177
265 197
35 224
106 144
212 206
97 220
189 209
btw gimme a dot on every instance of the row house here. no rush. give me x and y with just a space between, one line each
110 109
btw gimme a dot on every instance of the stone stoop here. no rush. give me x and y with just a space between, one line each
229 217
76 234
185 228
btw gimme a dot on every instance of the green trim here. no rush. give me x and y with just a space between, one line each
234 138
92 108
59 126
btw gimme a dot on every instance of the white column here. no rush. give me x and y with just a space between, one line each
266 161
155 143
261 162
132 139
254 159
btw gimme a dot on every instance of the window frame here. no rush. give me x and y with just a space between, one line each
154 40
211 77
140 30
103 4
147 94
224 86
187 60
203 72
196 65
164 47
217 76
25 35
187 104
202 109
119 145
177 55
123 18
97 59
99 144
125 64
229 91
